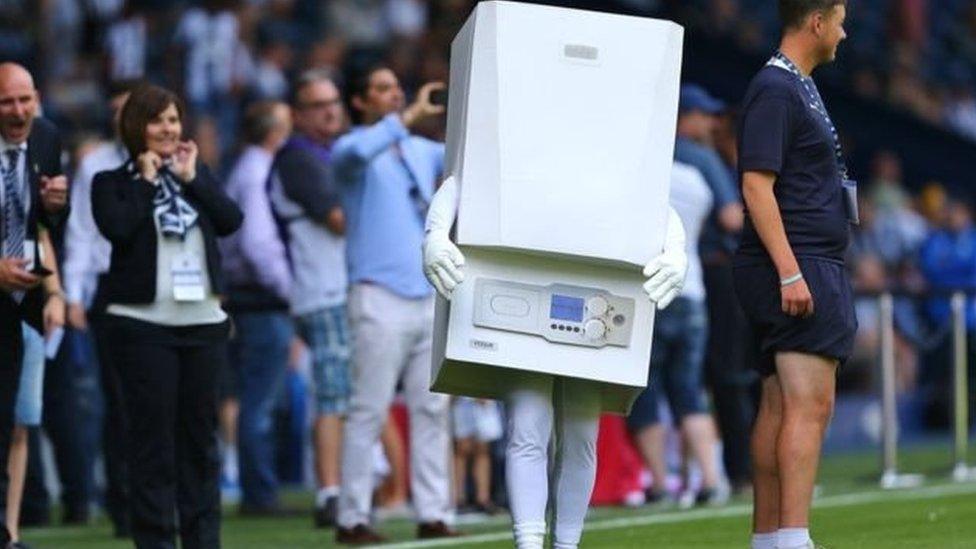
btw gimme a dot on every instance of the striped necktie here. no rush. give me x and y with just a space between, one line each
15 229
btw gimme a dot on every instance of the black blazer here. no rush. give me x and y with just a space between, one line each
123 211
43 158
44 153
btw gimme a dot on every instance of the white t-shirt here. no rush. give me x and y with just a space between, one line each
692 199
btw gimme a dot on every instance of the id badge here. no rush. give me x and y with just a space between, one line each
187 271
850 200
30 249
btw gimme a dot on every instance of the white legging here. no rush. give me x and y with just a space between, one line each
541 407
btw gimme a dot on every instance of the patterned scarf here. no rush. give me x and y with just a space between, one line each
174 215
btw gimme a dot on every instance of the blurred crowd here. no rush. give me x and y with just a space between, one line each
224 56
219 54
918 55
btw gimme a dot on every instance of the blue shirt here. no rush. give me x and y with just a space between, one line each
780 132
948 261
386 179
722 185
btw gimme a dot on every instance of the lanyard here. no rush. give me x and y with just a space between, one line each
816 102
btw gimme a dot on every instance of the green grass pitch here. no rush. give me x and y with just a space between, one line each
851 512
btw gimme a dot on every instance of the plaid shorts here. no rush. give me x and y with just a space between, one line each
326 332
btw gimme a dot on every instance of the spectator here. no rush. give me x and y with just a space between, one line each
407 18
948 261
33 194
87 259
269 80
214 63
932 204
960 111
126 46
306 203
166 322
27 411
899 229
361 23
477 423
727 363
390 301
677 357
260 286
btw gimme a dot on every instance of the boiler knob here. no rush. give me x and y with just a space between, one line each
597 306
594 329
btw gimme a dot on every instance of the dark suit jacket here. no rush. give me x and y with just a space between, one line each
43 158
123 210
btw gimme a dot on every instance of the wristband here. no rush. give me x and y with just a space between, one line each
790 280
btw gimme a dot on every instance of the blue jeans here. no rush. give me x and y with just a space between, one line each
27 411
260 350
677 356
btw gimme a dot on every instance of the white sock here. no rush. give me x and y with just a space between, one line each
323 495
764 541
560 545
529 535
792 538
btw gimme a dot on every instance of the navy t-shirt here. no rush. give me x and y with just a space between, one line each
780 131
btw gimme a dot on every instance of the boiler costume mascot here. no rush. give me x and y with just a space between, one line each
531 410
560 140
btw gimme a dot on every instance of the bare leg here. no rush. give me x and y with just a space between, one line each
327 436
227 413
17 470
462 452
766 475
700 436
481 469
228 421
808 383
650 443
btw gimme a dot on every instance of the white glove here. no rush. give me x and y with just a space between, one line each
443 261
666 272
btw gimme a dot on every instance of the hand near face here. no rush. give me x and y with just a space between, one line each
422 108
185 161
54 193
148 164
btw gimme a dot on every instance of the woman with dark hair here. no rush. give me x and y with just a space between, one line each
162 212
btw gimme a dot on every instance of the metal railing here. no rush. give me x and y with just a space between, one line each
891 478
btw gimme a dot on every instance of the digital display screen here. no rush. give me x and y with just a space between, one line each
566 308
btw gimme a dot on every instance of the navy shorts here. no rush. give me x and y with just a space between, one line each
829 332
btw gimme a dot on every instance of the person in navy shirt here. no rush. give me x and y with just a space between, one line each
789 269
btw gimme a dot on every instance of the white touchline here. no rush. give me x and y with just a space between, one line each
845 500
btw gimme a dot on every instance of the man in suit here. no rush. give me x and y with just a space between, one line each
33 192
